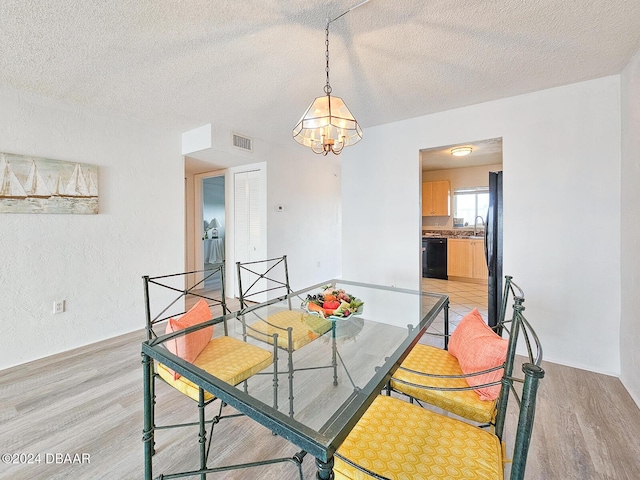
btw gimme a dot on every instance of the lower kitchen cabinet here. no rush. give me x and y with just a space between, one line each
458 255
466 260
479 269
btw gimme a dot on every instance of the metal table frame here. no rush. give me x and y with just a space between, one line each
320 444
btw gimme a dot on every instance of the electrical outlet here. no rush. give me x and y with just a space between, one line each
58 306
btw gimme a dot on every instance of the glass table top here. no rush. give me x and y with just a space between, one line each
336 366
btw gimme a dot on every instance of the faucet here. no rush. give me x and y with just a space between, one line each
475 224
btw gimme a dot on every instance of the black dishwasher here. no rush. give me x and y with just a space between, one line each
434 258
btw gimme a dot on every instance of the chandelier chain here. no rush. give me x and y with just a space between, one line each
327 87
320 128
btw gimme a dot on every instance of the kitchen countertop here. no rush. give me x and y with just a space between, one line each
452 234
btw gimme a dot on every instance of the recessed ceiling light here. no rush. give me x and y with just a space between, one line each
461 151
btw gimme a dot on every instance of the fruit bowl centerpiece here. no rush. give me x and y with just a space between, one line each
333 303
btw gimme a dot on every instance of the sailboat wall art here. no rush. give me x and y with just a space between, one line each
42 185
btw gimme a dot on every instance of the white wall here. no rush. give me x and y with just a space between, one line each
94 262
308 231
561 163
630 228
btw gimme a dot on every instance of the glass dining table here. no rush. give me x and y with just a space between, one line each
335 375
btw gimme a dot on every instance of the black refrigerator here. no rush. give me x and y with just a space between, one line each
493 245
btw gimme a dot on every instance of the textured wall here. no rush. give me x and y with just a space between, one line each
630 228
309 229
561 163
94 262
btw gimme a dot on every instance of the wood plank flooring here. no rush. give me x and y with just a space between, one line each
89 401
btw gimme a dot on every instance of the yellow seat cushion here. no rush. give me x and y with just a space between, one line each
226 358
305 328
465 403
402 441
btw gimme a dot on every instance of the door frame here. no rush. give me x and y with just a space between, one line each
198 219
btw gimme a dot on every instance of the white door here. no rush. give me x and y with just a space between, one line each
249 234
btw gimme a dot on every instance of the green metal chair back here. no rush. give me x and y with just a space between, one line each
525 397
262 277
179 284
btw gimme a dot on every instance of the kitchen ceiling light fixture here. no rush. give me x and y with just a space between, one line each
461 151
328 125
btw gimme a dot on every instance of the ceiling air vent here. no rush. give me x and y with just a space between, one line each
242 142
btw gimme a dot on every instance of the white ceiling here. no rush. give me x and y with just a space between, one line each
254 66
483 152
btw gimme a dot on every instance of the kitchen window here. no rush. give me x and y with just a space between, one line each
468 203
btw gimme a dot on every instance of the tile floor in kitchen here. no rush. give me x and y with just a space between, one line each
463 297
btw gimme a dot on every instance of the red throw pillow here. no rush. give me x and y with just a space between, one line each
189 346
478 348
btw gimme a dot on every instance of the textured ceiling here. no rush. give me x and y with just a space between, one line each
483 152
254 66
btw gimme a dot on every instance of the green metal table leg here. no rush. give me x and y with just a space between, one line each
275 371
446 325
202 435
147 432
290 360
334 350
325 469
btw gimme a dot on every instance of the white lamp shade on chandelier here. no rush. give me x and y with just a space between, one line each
327 125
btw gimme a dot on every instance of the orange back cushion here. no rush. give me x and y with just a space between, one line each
477 348
189 346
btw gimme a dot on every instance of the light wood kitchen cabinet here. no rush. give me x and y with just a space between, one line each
479 269
436 199
465 259
458 256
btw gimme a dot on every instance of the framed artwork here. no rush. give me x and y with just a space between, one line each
42 185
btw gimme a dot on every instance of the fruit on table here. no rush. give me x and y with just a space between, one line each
330 304
333 302
314 307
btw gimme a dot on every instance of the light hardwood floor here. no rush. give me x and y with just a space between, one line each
89 401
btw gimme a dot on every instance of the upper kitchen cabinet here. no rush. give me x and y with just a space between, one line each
436 199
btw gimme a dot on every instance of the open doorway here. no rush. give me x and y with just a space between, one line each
455 198
214 223
205 222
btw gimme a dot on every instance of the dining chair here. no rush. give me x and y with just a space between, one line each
395 439
291 328
464 379
223 356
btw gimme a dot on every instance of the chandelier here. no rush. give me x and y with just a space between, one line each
327 125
